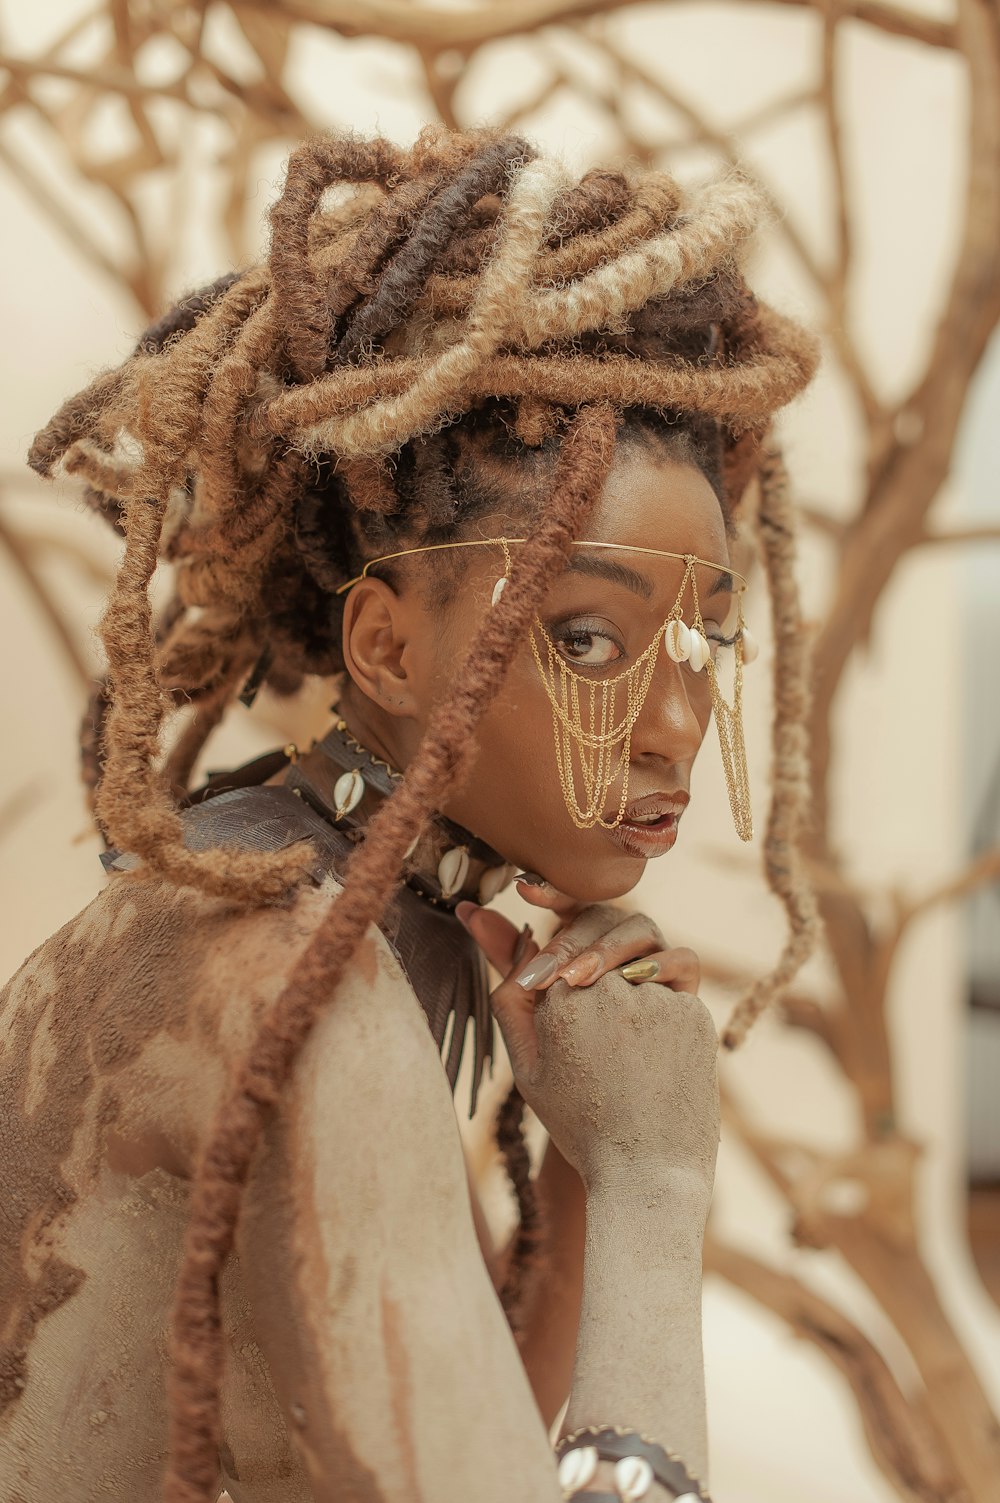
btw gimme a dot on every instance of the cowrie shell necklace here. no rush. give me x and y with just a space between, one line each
453 865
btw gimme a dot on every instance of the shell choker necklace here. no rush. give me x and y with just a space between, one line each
346 783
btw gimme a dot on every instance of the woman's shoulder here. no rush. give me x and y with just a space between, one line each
146 998
148 959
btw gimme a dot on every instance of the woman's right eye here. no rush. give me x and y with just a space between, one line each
591 649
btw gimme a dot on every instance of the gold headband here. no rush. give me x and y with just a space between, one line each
582 543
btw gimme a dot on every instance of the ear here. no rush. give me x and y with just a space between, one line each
380 632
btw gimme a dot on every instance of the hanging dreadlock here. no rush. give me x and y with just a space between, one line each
429 320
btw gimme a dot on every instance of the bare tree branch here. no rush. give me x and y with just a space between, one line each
901 1431
984 534
440 26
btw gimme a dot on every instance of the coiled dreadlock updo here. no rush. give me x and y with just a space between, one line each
458 309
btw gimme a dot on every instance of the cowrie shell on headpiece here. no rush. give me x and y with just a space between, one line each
453 868
348 791
498 589
751 647
700 651
677 641
494 880
577 1468
633 1478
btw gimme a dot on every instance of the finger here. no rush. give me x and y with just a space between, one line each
581 956
678 969
514 1010
543 895
495 935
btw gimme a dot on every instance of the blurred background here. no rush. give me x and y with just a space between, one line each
851 1316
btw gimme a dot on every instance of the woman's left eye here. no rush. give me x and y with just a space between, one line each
717 640
592 649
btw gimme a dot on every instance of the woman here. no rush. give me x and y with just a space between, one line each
474 440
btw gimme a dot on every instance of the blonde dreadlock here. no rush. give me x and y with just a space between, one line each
463 303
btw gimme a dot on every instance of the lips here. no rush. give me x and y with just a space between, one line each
657 803
646 841
654 838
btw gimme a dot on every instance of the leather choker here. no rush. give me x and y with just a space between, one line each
346 783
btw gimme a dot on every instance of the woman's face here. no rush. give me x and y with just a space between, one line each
602 614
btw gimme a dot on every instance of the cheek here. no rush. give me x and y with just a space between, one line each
519 721
703 708
516 746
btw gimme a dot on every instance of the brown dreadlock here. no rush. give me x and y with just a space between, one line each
459 310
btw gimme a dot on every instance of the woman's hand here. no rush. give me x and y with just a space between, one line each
622 1075
581 953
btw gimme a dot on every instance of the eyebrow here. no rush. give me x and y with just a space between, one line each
631 579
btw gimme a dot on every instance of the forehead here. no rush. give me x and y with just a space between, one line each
652 501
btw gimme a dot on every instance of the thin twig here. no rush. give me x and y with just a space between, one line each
20 556
984 534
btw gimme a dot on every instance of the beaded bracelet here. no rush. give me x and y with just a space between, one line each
638 1463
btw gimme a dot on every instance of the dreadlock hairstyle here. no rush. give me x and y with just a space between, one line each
428 321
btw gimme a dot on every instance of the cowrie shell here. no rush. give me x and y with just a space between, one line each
494 880
348 791
751 647
498 590
453 868
633 1478
577 1468
700 651
690 1498
677 641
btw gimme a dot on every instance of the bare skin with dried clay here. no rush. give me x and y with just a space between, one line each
359 1307
359 1302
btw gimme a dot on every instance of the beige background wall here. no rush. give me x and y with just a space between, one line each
784 1428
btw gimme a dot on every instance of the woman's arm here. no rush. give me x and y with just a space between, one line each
391 1358
658 1304
639 1354
549 1339
586 934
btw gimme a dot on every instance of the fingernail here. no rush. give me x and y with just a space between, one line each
532 879
542 968
521 945
465 910
641 970
581 970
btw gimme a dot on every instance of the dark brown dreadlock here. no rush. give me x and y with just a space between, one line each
461 310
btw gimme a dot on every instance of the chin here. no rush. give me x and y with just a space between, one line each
595 881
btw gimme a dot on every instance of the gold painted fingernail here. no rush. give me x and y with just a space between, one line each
641 970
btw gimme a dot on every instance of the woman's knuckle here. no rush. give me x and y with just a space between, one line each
565 947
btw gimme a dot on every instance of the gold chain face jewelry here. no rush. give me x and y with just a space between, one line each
587 729
584 710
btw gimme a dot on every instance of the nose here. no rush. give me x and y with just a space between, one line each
674 717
